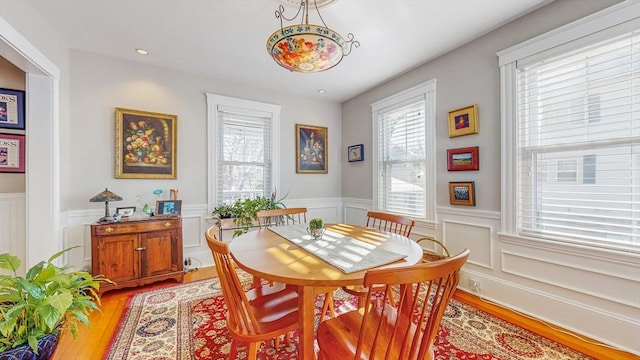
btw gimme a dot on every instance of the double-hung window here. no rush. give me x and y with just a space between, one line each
243 151
404 132
572 138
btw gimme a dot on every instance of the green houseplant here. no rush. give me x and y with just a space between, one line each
316 227
244 211
47 300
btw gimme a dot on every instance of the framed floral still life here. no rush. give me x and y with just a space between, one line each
462 193
145 145
311 149
355 153
463 159
463 121
12 153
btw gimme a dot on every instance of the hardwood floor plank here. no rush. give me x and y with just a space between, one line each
91 344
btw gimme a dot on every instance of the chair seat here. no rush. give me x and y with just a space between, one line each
338 341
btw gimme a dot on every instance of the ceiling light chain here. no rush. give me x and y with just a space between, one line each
307 48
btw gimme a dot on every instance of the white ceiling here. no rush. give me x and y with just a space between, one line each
225 39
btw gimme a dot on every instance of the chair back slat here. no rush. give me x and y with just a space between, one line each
239 315
407 331
279 217
390 222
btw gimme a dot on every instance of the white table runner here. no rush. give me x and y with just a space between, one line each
347 254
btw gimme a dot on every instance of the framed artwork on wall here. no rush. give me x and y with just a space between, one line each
311 149
463 121
462 193
145 145
12 153
355 153
12 109
463 159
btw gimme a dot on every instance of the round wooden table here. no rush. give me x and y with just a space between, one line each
266 254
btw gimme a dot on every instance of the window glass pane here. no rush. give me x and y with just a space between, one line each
580 111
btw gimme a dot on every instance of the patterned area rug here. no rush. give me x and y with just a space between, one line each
187 322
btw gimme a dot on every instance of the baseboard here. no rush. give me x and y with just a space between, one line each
575 341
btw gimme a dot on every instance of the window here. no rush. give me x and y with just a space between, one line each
404 127
243 155
575 104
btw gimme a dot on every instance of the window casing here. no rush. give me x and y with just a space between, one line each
404 165
573 100
243 151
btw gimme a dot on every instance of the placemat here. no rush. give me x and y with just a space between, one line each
347 254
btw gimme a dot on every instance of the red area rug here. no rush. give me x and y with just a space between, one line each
187 322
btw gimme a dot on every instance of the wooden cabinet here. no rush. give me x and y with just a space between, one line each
134 253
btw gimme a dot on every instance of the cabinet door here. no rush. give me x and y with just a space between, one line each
118 257
159 256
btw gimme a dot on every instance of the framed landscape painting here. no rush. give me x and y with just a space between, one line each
463 159
145 145
311 149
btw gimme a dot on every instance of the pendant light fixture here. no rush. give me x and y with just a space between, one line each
305 47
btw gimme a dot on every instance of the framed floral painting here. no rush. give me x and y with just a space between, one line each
145 145
311 149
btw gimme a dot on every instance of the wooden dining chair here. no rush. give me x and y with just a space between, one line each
390 222
260 313
387 332
385 222
291 216
279 217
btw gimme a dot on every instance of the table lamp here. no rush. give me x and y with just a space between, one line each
105 197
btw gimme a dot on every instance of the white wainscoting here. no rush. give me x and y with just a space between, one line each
13 225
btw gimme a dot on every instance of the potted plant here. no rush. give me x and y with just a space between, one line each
244 211
34 309
316 227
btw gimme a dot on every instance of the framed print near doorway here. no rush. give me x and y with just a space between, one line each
311 149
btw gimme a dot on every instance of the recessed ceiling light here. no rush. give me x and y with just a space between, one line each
322 91
142 51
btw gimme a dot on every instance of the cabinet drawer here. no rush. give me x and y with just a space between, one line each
127 227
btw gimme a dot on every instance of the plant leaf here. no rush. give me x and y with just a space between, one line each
9 262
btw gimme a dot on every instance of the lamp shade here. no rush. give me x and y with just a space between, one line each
106 195
306 48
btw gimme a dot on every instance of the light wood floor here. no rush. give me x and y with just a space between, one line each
91 344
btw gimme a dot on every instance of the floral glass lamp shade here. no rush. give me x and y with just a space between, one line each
105 197
307 48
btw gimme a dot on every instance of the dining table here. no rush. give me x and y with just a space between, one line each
279 254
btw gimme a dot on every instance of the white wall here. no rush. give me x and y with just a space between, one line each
591 292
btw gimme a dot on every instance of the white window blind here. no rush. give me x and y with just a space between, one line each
244 154
402 157
578 142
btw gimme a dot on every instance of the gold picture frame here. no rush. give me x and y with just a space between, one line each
311 149
145 145
462 193
463 121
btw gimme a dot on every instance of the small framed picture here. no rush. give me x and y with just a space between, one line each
462 193
463 159
355 153
126 211
168 207
12 109
463 121
12 153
